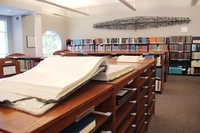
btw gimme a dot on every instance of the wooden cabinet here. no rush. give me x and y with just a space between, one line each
137 111
96 99
9 67
90 96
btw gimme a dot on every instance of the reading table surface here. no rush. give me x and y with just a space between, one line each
60 116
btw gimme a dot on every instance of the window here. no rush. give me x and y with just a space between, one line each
3 40
50 42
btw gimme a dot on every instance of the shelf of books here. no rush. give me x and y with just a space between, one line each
118 44
180 54
26 62
195 58
145 46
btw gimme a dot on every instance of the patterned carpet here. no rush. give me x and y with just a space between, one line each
178 107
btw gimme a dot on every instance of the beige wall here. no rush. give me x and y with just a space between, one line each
82 26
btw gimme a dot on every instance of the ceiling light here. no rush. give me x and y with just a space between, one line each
9 10
63 7
127 4
59 15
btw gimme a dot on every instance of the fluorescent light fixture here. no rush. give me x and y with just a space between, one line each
63 7
127 4
59 15
193 2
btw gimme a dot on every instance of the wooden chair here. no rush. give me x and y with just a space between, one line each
69 54
59 52
15 54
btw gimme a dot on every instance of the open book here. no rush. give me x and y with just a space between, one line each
114 71
129 58
37 90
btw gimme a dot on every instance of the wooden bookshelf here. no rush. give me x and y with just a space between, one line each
133 114
26 62
144 86
9 67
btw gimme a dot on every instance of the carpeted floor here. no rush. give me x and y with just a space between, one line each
178 107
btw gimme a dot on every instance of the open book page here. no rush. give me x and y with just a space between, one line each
129 58
52 78
114 71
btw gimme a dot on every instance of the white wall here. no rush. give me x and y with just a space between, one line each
48 23
82 26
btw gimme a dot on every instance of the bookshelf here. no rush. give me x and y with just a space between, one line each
135 113
180 54
9 67
119 44
195 57
26 62
96 99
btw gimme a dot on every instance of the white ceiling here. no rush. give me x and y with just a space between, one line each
88 3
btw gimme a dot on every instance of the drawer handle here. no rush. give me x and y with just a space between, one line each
144 77
145 87
133 101
133 113
133 125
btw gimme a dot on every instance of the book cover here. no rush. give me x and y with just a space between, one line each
113 72
121 96
126 58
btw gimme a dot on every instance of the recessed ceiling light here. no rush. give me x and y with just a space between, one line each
9 10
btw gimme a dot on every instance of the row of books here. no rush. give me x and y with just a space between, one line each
158 85
180 39
180 56
195 55
195 63
193 71
175 70
143 40
135 40
180 47
27 64
81 48
118 47
155 47
81 41
196 47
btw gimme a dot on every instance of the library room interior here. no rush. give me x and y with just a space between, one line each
100 66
